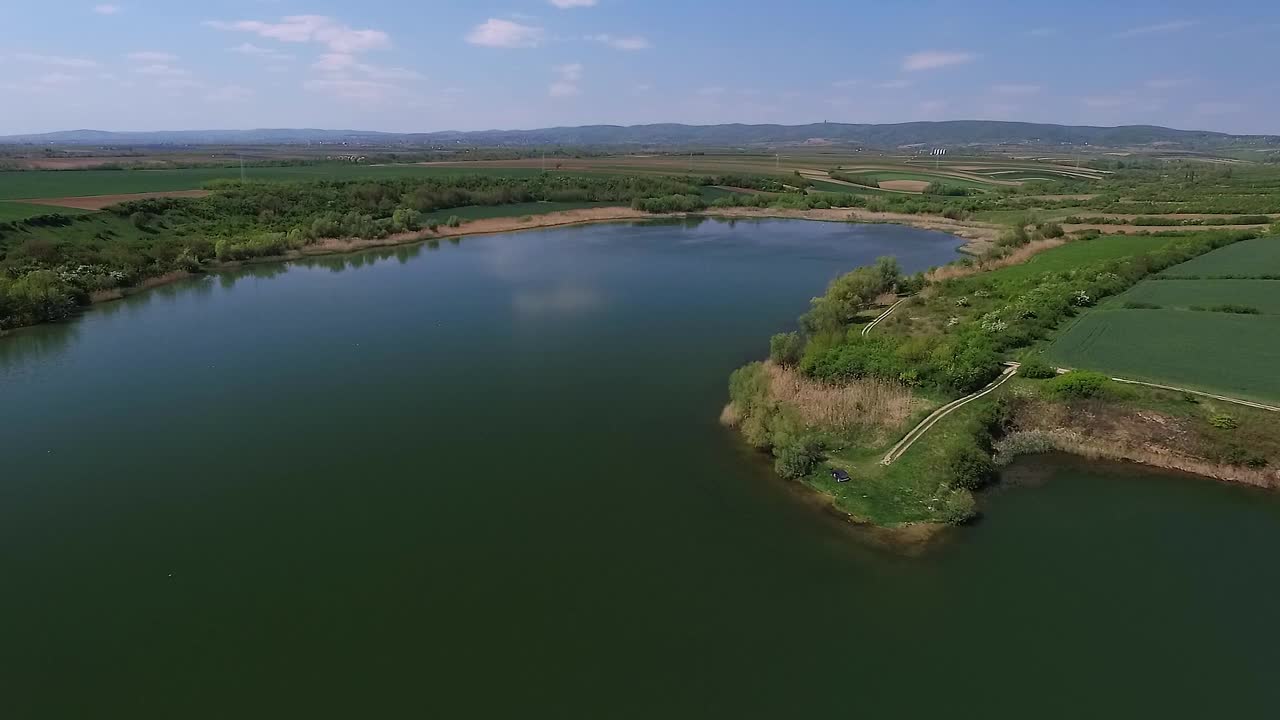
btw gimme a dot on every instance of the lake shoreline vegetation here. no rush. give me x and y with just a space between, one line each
955 330
829 397
52 264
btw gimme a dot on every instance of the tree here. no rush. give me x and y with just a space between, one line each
786 348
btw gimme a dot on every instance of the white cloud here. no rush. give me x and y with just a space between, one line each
495 32
628 42
353 88
566 4
566 84
257 51
229 93
893 84
1164 83
846 84
711 91
1158 28
340 63
57 78
933 59
161 70
1041 32
1015 89
311 28
106 9
56 60
152 57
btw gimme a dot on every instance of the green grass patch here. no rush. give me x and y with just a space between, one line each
73 183
1081 252
1230 354
916 487
1260 256
10 211
1185 294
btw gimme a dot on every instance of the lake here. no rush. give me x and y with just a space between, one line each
486 479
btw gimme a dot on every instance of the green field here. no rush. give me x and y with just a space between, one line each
1248 258
1183 294
21 211
1081 252
68 183
883 175
1234 355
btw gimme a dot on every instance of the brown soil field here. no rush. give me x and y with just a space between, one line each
907 185
97 202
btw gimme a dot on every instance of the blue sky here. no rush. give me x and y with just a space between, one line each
424 65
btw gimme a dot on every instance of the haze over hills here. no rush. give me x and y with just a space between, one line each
954 133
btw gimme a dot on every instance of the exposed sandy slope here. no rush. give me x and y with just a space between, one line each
907 185
97 202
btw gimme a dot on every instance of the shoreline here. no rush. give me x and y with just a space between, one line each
977 236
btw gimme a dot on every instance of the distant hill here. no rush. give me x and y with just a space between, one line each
948 133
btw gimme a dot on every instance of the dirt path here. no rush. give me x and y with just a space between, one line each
910 438
881 316
1223 398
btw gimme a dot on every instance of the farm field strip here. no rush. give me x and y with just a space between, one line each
1184 294
1082 252
1215 352
10 211
1260 256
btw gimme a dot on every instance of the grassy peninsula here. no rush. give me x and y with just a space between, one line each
839 393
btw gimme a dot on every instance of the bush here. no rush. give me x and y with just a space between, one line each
1051 230
1223 421
970 468
453 221
1079 385
1135 305
798 458
1236 309
786 348
1035 368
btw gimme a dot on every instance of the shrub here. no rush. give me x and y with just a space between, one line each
786 348
798 458
1035 368
1135 305
1223 421
1016 444
1080 384
970 467
453 221
1051 230
1234 308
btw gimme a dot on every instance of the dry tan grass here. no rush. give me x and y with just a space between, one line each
907 185
862 403
1017 257
98 202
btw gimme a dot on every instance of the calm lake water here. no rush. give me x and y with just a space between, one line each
487 480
